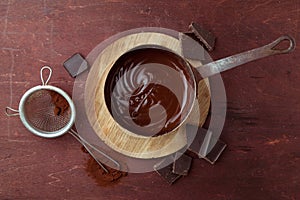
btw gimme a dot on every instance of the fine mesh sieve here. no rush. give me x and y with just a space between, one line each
46 110
49 112
42 112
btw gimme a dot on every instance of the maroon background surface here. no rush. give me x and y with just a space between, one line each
262 126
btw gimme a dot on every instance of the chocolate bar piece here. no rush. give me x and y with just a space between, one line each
75 65
182 165
167 171
190 49
215 153
200 144
192 35
207 38
198 141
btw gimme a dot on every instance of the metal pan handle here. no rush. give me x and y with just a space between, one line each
230 62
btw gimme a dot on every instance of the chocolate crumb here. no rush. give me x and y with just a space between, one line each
83 149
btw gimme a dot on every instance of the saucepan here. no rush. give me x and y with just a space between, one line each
154 79
150 91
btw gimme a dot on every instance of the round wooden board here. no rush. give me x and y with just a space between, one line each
115 136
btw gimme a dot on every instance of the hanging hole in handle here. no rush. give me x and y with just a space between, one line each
283 44
49 75
11 112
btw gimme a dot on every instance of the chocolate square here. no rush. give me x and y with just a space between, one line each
190 49
206 37
182 165
197 143
75 65
215 153
167 171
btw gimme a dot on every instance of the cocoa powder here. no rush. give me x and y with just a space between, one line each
102 178
61 104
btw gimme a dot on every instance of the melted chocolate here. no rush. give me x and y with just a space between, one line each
149 91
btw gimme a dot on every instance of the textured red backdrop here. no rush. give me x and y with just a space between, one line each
262 126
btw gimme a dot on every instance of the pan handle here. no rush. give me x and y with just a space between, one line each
230 62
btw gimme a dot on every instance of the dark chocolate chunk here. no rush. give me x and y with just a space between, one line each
182 165
200 144
190 49
198 141
75 65
215 153
192 35
206 37
167 171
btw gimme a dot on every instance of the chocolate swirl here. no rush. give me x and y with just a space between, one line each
149 91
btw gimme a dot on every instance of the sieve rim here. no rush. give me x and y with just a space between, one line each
46 134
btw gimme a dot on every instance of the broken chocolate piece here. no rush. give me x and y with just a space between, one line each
182 165
167 171
199 139
75 65
191 35
201 142
206 37
215 153
190 49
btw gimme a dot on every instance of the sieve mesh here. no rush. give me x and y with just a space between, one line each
47 111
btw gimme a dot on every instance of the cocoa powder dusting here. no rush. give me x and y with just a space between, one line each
61 104
102 178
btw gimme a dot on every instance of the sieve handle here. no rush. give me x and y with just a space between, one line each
11 112
87 146
42 74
